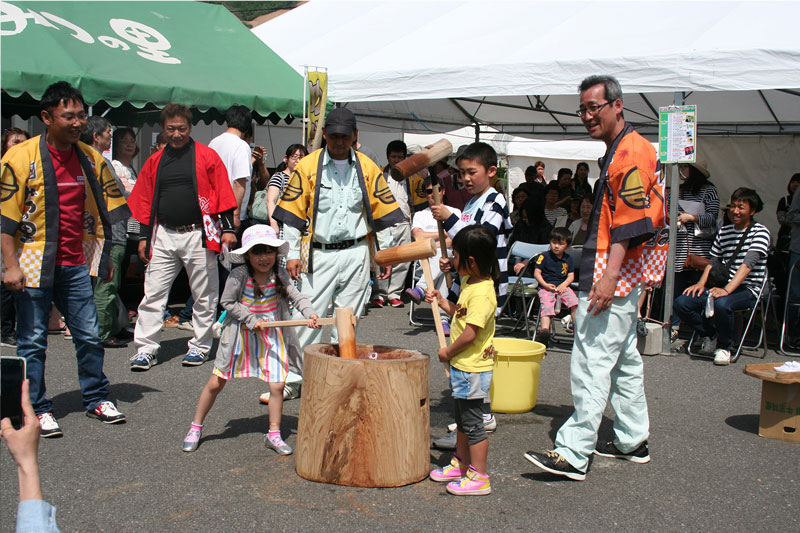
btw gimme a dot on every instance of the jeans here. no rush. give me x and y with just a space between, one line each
683 280
72 293
8 315
692 310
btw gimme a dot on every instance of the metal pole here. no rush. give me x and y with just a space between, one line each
305 105
669 277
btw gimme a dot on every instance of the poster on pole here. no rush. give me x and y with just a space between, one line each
677 134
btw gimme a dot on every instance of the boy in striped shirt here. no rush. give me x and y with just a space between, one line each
477 165
746 273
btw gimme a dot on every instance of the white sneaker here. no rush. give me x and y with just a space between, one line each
708 345
490 424
722 357
49 425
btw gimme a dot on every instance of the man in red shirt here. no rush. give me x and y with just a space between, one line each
59 200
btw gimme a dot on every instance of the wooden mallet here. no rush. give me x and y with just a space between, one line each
422 250
345 322
428 156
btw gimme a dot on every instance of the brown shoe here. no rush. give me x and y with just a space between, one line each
172 322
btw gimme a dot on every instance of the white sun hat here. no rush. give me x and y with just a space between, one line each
259 234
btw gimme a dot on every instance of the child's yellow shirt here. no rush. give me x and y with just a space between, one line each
476 305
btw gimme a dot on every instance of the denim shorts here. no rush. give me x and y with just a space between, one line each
470 385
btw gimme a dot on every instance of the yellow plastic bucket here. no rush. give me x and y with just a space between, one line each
515 381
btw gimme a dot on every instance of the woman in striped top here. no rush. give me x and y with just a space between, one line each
747 269
255 295
695 232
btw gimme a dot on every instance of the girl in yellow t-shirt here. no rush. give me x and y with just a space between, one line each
471 357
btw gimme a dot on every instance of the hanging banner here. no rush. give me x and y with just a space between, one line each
677 134
317 101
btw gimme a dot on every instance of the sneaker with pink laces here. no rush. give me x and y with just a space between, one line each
454 471
473 484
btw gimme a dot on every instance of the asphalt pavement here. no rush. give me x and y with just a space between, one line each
710 471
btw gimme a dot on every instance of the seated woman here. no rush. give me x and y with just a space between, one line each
580 227
741 248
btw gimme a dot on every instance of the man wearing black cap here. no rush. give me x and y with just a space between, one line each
336 210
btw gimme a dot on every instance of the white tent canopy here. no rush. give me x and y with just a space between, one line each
436 66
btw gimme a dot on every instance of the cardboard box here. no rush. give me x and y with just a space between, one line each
780 411
780 402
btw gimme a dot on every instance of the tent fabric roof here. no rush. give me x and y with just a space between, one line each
143 55
516 65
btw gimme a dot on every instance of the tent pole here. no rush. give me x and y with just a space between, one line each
477 132
671 171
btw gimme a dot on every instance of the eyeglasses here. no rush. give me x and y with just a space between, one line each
69 117
592 110
296 157
428 191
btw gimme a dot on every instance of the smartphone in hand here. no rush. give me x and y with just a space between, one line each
12 374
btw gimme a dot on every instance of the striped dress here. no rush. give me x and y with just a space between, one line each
261 354
686 241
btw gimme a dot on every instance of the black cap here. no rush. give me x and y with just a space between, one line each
340 120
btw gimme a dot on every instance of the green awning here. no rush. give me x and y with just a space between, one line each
138 56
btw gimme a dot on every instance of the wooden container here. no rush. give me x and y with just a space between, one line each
364 422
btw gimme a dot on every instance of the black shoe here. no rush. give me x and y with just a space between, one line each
9 341
544 337
551 461
640 455
124 335
114 342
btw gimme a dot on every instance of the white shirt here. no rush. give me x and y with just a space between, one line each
235 155
473 205
400 192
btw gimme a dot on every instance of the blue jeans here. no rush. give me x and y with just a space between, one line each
692 310
73 295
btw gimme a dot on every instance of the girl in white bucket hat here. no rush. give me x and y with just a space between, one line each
256 293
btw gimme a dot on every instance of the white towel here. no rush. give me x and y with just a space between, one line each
788 366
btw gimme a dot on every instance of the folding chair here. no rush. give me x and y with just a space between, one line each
791 309
760 308
523 288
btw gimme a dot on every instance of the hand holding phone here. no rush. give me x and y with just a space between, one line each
12 374
23 444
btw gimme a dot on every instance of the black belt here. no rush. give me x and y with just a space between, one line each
186 228
338 245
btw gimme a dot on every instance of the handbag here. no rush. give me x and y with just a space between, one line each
694 261
718 276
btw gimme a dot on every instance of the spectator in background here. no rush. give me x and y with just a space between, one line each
580 227
8 313
97 134
564 182
457 196
580 182
747 267
785 231
234 151
532 227
555 215
278 182
696 232
574 211
793 296
518 198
